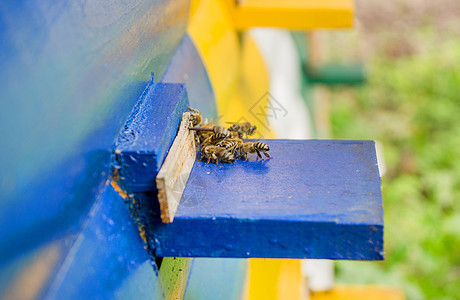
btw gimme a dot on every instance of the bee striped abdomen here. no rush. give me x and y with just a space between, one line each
234 127
227 144
261 146
221 132
226 155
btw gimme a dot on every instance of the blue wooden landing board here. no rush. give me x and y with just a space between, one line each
314 199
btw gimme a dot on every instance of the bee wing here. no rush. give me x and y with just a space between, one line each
193 109
213 121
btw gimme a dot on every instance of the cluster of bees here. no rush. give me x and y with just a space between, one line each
225 144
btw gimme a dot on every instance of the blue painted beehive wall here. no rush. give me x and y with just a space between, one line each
70 74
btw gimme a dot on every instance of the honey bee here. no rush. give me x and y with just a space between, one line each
221 132
253 147
213 139
243 128
204 134
211 135
231 144
195 116
216 153
234 135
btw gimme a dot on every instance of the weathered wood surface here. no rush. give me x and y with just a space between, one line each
174 173
314 199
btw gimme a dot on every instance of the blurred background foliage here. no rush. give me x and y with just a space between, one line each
411 105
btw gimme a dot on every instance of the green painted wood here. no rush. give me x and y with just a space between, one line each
173 276
336 73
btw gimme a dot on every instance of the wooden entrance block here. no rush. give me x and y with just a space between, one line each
174 173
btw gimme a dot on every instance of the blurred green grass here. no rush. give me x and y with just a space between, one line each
411 104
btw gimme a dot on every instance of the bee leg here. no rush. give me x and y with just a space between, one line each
267 155
246 157
207 140
258 154
209 159
215 158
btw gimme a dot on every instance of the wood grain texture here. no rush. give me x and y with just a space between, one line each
174 173
314 199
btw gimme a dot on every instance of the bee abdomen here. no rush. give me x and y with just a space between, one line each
226 155
228 144
221 132
261 146
234 127
229 156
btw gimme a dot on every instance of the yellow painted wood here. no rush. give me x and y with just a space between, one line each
292 14
366 292
240 83
234 64
212 31
274 279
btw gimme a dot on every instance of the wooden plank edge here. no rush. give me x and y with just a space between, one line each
174 173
